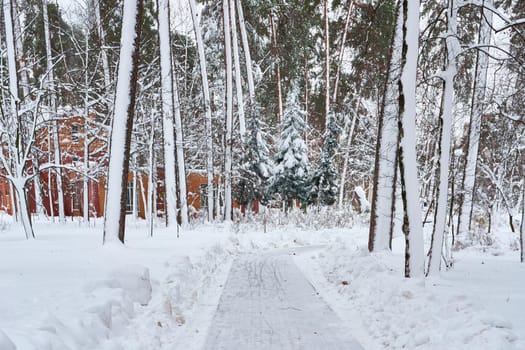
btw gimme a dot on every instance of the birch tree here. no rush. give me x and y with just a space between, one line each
247 54
53 114
237 67
522 228
16 133
123 111
229 112
412 220
207 106
385 173
167 113
23 71
103 49
179 147
476 114
445 122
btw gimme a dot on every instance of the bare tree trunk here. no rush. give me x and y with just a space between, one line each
181 160
237 67
342 50
18 154
53 118
85 178
24 84
123 111
247 55
135 211
229 113
326 65
207 107
167 113
151 189
445 121
522 229
103 47
349 138
412 226
277 69
476 114
384 181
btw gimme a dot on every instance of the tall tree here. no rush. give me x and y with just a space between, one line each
14 129
229 111
123 112
385 169
237 67
290 178
522 229
476 114
445 122
167 94
179 148
53 112
412 221
207 107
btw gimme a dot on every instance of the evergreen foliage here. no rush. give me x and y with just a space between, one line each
256 166
324 180
290 179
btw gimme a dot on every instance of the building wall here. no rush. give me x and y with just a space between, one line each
71 140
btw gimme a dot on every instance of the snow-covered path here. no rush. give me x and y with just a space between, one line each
267 303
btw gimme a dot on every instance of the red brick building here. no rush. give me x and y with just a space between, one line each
72 142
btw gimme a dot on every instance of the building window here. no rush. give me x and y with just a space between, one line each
129 197
75 201
204 196
74 133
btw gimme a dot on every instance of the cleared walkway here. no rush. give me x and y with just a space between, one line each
267 303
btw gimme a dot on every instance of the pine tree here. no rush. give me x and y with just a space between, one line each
324 181
290 179
256 167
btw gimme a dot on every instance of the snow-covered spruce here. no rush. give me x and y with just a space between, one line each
290 179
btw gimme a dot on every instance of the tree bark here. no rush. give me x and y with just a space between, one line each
17 150
53 116
277 70
522 229
384 181
445 121
342 51
123 111
207 107
412 226
246 50
181 159
237 65
229 113
103 48
170 180
326 65
476 114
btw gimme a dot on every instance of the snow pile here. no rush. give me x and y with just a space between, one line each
65 291
189 279
5 342
110 306
403 313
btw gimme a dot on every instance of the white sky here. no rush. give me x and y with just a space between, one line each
181 16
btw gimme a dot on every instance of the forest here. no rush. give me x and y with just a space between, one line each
290 104
397 119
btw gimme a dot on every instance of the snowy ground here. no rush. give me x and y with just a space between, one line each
65 291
